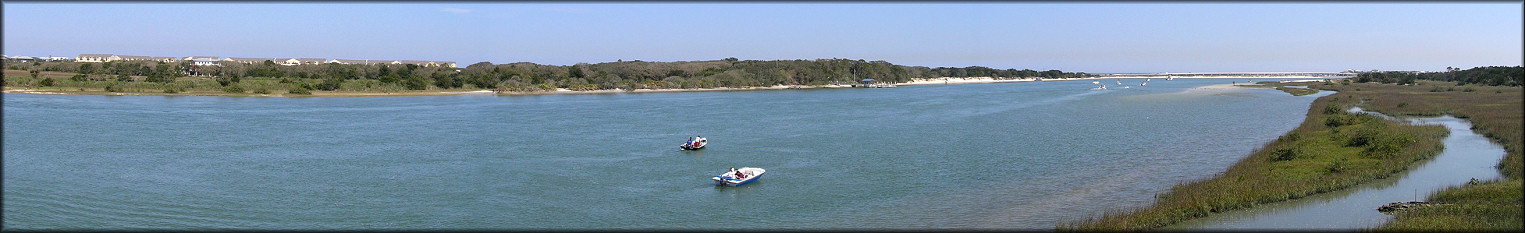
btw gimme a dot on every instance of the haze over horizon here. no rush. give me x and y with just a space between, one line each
1074 37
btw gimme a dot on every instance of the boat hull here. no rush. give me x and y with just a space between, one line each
735 182
695 146
727 180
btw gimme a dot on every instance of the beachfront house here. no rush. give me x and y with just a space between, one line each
199 57
165 59
428 63
246 60
287 61
135 58
415 62
205 62
310 61
97 58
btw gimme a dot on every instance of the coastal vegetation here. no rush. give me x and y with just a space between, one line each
1495 111
1331 150
1321 154
1297 91
236 78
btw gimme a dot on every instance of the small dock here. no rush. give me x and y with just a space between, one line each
870 83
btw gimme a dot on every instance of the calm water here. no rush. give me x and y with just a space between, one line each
1467 156
1004 155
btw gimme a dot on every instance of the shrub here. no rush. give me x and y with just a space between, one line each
1284 154
300 91
1331 110
1468 89
79 78
1435 89
1345 119
113 88
1337 166
47 82
233 89
1366 134
261 91
330 84
123 77
1387 145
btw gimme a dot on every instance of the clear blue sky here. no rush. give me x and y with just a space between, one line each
1087 37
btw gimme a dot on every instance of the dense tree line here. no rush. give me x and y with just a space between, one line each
1490 75
525 76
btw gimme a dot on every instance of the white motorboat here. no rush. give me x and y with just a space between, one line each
738 177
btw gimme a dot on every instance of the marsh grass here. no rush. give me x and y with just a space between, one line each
1330 150
1495 112
1493 205
1297 91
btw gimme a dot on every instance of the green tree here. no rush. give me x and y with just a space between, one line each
35 73
415 83
47 82
575 72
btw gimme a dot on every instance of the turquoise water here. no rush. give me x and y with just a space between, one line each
1002 155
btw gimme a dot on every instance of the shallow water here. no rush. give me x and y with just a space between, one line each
1467 156
1002 155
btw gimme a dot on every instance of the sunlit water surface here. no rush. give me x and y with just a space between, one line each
1004 155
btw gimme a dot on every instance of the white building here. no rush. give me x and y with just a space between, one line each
97 58
205 62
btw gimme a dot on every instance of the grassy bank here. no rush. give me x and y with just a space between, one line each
1330 150
1494 112
1297 91
1485 206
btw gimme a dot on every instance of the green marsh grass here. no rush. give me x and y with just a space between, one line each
1495 112
1330 150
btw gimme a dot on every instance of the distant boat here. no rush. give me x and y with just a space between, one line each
1167 78
1095 82
1143 84
1119 82
694 143
738 177
1102 87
